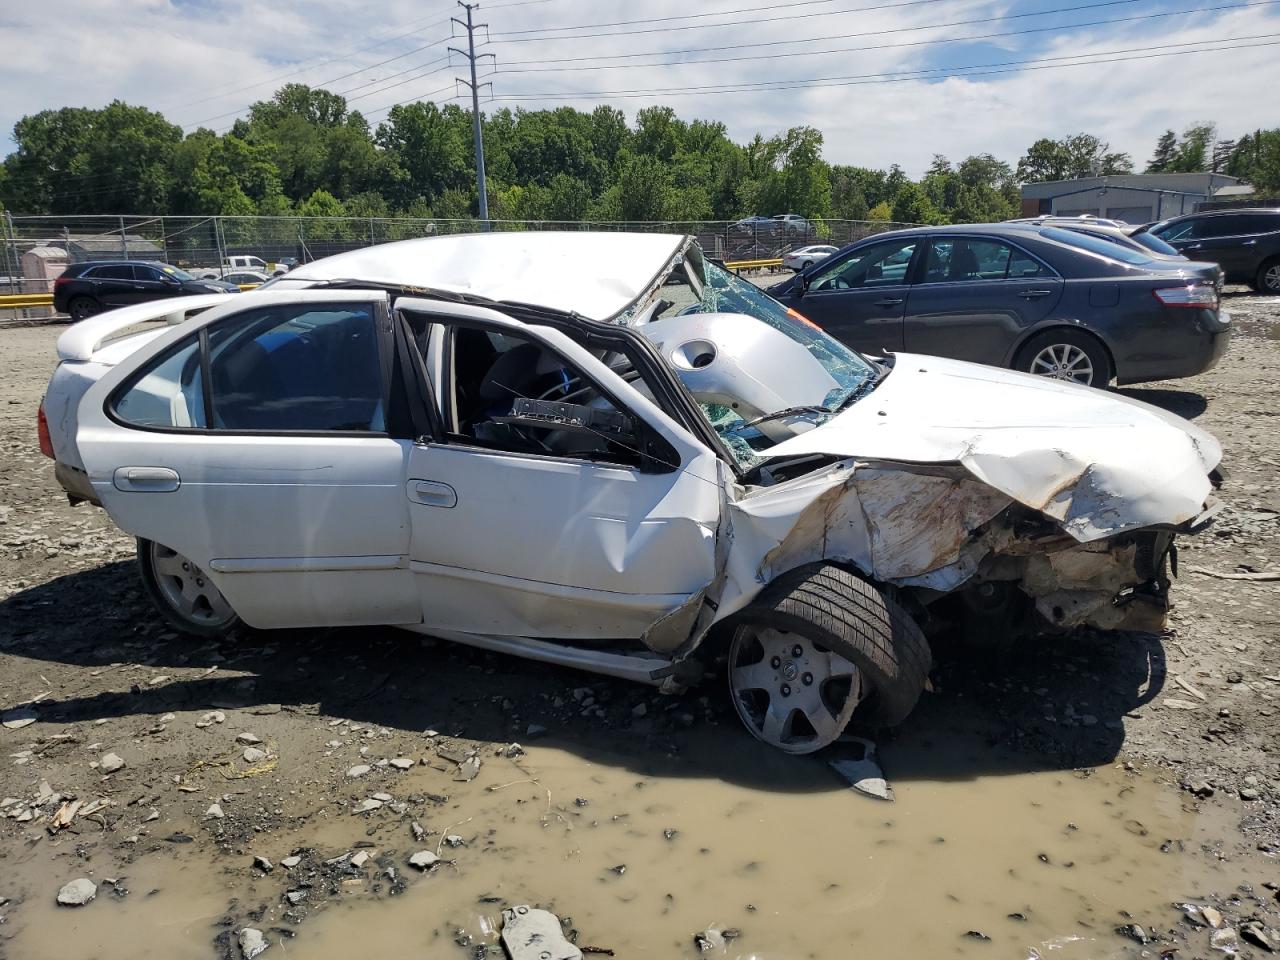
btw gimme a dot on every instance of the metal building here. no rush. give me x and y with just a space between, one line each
1134 198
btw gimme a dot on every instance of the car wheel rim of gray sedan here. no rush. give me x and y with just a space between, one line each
1064 361
1271 280
790 692
188 589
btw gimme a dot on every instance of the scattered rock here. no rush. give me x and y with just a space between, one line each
214 812
1201 788
530 934
359 770
708 940
514 750
1225 940
295 897
467 770
210 718
110 763
402 763
248 739
290 862
254 755
263 864
77 893
1254 933
423 860
252 943
453 840
534 730
1250 793
360 858
364 806
639 711
1134 932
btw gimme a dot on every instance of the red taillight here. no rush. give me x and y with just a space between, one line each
42 431
60 281
1195 295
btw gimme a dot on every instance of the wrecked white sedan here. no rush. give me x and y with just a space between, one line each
603 450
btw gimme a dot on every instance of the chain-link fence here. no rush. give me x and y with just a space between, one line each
209 243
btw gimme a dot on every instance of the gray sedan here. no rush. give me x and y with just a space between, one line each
1054 302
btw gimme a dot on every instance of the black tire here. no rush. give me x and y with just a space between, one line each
806 265
861 622
1064 339
81 308
207 623
1268 279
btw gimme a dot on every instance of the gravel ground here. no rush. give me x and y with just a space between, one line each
106 681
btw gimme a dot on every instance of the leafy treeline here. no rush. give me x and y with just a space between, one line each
305 152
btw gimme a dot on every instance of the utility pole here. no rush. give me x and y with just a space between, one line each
470 54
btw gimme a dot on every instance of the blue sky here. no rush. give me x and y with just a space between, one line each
905 94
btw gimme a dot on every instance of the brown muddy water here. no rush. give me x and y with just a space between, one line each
1043 863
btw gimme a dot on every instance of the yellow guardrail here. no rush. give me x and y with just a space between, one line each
18 301
245 287
754 264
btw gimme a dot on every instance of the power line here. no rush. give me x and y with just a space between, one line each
1011 66
725 13
1080 24
869 33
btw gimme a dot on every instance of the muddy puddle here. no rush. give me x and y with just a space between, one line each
643 857
1252 317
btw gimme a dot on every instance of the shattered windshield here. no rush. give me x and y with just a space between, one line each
757 387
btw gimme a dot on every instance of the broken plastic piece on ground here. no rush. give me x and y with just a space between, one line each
864 773
530 934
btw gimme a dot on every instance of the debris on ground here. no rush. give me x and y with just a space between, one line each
864 774
252 943
532 934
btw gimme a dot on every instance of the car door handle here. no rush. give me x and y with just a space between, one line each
1193 246
431 493
1249 243
146 479
889 302
1033 294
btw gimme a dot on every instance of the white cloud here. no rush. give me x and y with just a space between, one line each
191 60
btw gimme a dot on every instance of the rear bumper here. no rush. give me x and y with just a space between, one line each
1169 352
76 484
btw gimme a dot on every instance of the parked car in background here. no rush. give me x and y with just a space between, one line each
1059 303
1135 238
805 257
756 226
1244 242
84 289
792 224
245 262
522 442
246 278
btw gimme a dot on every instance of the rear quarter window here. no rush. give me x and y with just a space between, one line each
1096 245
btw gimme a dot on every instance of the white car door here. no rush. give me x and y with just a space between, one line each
259 440
580 540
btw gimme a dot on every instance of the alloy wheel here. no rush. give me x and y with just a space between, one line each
1063 361
1271 279
791 693
187 589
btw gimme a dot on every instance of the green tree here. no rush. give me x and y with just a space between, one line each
644 190
912 205
1194 153
1256 159
118 159
1166 150
1079 155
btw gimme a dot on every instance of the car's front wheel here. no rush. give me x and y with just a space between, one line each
183 593
81 308
817 644
1269 277
1065 354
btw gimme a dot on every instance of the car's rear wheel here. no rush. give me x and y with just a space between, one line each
817 644
1268 280
183 593
1064 354
82 307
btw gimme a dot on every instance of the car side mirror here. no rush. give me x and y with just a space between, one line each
802 284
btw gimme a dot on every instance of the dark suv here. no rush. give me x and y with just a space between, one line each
1245 243
84 289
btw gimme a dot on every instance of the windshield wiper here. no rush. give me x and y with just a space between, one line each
788 412
861 390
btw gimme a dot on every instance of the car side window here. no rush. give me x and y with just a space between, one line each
879 265
1176 231
283 369
115 271
963 259
1256 223
498 380
1229 226
297 368
169 393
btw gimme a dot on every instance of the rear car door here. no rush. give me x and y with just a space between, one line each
259 440
974 295
1225 240
115 285
595 523
860 298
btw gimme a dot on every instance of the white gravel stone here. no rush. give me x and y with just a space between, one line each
111 763
77 893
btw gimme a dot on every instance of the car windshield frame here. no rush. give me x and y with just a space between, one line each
171 271
1097 245
726 293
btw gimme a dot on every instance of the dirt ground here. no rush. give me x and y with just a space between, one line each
352 750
